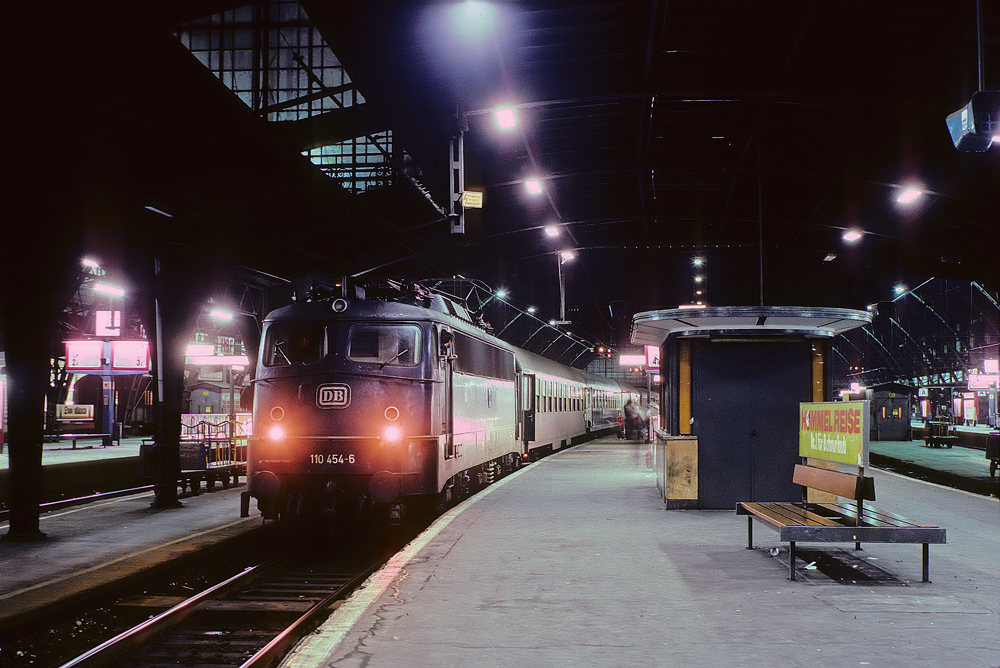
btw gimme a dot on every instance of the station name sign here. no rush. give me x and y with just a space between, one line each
834 430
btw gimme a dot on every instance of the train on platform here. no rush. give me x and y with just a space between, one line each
372 402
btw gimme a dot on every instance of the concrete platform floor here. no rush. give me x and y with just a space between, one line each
575 562
92 547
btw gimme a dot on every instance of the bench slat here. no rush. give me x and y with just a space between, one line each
783 514
872 516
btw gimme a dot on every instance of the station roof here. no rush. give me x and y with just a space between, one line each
752 135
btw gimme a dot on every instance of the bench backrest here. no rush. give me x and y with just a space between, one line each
848 485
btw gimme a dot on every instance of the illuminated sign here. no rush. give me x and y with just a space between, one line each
108 323
84 355
74 411
472 199
112 358
835 430
631 360
652 358
130 355
238 360
983 381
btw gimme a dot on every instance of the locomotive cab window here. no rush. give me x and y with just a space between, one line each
291 343
388 345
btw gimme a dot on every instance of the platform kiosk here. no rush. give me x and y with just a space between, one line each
733 378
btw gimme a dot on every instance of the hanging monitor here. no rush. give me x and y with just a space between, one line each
973 127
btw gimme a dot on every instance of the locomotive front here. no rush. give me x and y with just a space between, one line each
344 399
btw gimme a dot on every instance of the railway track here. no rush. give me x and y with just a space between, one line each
251 619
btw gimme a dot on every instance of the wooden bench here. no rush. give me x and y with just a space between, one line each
77 437
838 522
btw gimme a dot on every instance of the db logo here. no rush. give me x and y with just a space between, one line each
333 395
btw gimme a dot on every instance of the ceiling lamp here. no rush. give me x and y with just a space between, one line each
909 195
505 118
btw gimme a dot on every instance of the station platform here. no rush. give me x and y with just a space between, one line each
575 561
90 547
63 452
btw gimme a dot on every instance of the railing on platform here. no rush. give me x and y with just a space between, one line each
214 440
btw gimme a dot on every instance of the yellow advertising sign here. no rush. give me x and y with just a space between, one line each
835 430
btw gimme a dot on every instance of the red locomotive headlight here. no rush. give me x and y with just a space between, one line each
275 433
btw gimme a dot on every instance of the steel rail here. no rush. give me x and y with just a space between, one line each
135 636
275 650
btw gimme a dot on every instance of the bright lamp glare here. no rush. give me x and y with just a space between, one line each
505 118
909 195
391 434
501 293
108 289
87 262
851 235
534 186
221 315
567 255
552 231
276 433
900 289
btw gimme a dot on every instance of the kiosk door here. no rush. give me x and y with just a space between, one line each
745 405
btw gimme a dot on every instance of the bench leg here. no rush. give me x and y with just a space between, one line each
926 570
791 560
749 532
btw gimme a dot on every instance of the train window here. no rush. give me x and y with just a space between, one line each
479 358
294 343
388 345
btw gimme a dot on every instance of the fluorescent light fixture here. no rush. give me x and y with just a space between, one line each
534 186
909 195
221 315
87 262
108 289
552 231
851 235
567 255
830 257
158 211
505 118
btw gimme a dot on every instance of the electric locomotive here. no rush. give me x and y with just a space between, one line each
382 399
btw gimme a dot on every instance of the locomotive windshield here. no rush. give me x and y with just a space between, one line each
291 343
388 345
